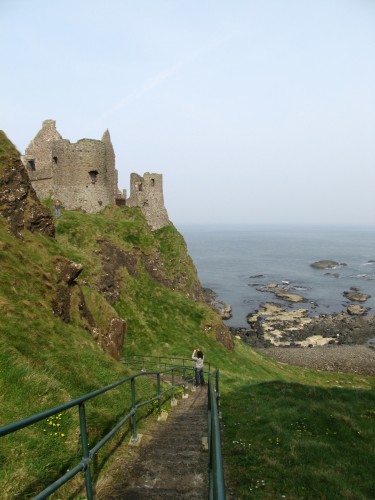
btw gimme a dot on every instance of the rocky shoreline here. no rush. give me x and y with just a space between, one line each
294 329
336 343
342 341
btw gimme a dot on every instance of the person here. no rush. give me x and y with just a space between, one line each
57 209
199 360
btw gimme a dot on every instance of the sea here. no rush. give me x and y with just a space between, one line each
236 261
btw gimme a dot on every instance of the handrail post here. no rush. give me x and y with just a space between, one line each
173 398
134 419
209 417
217 392
185 382
85 450
159 399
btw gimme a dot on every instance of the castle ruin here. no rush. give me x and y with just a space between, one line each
147 193
83 176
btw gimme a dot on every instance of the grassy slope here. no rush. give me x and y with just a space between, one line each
287 431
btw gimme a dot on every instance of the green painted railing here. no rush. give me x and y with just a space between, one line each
215 462
140 362
180 375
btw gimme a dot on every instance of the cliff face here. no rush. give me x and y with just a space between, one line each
19 204
106 271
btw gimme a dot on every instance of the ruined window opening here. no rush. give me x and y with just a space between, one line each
55 160
93 176
140 187
152 182
31 164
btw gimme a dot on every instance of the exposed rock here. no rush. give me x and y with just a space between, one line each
61 303
68 270
19 204
356 296
210 297
113 340
355 310
223 335
290 297
327 264
114 258
281 292
276 325
225 311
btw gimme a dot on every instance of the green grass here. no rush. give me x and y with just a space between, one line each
287 432
295 433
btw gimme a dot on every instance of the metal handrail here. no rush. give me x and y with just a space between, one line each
84 464
215 462
159 361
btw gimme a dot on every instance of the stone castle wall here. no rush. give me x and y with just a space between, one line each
147 193
80 177
83 176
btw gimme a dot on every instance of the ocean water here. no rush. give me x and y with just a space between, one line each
234 261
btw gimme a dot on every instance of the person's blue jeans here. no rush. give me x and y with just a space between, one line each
199 376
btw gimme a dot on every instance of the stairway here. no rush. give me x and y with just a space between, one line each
171 462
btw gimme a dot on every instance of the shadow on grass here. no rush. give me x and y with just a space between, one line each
299 441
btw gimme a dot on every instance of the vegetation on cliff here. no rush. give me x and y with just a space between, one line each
59 298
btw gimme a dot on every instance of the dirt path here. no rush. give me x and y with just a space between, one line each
171 461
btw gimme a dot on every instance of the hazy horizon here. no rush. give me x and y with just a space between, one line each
258 111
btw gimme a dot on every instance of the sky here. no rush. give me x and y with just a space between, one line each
254 111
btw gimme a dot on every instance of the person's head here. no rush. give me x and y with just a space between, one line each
199 354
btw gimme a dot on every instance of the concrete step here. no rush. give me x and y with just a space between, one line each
173 462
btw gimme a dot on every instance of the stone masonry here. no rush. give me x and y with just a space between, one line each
83 176
147 193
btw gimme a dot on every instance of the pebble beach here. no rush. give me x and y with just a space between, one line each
358 359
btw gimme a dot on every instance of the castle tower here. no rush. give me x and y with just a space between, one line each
147 193
38 159
82 175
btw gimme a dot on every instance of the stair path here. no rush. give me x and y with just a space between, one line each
172 461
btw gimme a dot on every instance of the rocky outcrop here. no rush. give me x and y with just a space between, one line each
70 302
327 264
211 299
282 292
113 339
68 271
356 296
278 326
19 204
114 258
355 310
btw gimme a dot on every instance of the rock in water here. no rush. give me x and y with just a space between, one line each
326 264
